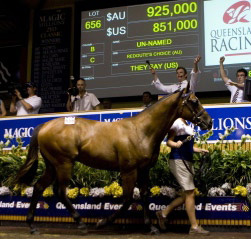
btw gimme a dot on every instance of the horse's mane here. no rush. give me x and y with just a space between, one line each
160 100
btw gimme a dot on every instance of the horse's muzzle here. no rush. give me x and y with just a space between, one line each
205 125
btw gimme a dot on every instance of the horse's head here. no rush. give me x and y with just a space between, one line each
192 110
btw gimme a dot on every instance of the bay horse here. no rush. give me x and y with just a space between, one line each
130 146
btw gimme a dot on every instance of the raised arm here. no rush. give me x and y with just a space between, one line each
158 85
222 70
154 73
195 64
195 74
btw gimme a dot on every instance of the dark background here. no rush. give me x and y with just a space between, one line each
15 22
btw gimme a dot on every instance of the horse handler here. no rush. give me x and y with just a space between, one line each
181 166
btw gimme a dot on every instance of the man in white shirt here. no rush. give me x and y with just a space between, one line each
25 106
84 100
236 88
181 74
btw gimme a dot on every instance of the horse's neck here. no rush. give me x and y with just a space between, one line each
157 120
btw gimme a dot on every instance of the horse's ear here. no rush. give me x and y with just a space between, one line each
187 89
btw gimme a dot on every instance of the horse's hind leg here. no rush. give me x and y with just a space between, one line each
46 180
63 179
128 184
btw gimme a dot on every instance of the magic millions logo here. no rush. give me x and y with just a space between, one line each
228 33
21 132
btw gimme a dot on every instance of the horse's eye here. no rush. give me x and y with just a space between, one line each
195 101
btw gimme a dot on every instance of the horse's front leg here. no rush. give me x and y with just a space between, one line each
143 183
63 177
128 184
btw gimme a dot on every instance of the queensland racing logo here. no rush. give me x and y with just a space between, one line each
237 13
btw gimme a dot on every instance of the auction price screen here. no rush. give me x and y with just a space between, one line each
117 42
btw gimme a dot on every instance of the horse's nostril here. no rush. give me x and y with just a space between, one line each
210 124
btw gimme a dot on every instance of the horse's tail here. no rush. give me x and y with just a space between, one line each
27 172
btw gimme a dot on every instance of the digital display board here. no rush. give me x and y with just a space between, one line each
117 42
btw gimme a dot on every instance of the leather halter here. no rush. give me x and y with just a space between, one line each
196 116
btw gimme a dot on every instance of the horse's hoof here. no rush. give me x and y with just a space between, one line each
34 231
83 228
154 231
101 223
